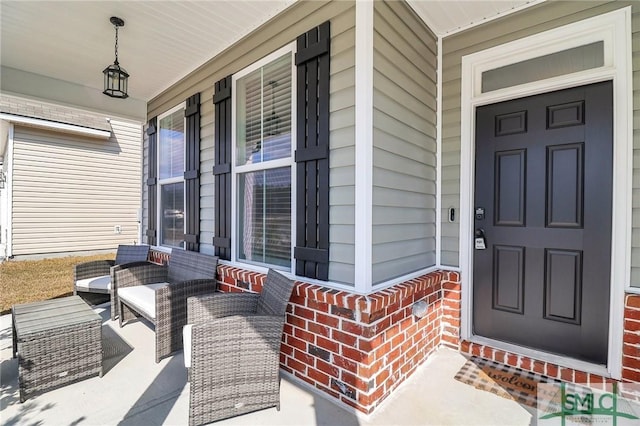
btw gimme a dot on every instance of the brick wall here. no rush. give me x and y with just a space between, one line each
357 348
631 339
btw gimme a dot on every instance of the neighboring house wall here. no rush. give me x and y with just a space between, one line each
535 20
404 142
69 191
276 33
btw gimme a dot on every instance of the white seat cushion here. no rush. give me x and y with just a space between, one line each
186 339
142 298
102 282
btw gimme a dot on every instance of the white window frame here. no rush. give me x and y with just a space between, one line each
272 164
169 181
614 28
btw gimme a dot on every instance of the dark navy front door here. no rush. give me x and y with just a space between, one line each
543 191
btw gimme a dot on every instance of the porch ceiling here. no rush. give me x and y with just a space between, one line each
162 41
445 17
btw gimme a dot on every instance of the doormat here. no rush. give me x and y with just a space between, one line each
502 380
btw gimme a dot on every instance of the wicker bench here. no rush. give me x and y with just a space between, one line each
57 342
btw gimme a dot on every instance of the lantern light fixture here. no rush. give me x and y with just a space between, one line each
115 77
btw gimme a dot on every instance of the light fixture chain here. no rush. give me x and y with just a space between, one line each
116 44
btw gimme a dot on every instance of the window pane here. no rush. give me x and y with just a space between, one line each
172 231
264 113
265 216
277 109
249 116
564 62
172 145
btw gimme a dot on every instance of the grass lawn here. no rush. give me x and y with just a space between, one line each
26 281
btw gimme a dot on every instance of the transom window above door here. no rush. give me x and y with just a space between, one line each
575 59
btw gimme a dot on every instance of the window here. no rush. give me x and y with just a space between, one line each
255 181
263 162
171 148
584 57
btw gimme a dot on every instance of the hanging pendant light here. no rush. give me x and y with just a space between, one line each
115 77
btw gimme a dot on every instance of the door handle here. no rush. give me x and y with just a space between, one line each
480 239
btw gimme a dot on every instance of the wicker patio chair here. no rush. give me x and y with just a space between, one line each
159 294
247 329
97 276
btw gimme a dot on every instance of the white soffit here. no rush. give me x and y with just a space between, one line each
161 42
446 17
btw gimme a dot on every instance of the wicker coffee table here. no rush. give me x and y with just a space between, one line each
57 342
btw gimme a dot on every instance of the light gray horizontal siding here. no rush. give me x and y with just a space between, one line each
536 19
635 239
70 191
280 31
404 142
207 160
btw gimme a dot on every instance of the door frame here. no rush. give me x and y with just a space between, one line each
614 29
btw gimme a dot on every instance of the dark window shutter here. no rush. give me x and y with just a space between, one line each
152 180
312 153
192 173
222 169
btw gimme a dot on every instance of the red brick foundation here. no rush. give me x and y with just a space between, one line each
356 348
631 339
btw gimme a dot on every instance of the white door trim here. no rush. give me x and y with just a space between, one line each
614 29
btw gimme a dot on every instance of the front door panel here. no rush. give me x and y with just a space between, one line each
543 180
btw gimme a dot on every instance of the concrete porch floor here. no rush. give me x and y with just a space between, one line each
137 391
